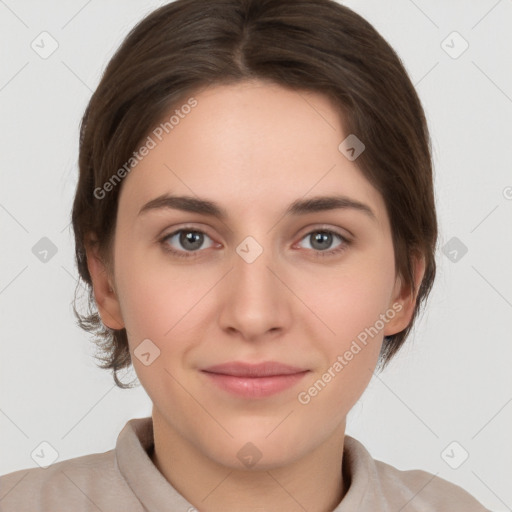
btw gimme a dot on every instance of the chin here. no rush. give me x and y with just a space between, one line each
258 448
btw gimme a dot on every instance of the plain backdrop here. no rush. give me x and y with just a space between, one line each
452 381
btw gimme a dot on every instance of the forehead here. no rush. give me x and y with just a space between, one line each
249 143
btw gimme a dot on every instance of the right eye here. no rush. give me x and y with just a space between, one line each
190 239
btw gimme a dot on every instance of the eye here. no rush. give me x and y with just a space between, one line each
321 241
191 240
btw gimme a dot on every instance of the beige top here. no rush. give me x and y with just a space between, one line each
126 480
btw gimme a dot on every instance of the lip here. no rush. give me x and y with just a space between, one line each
264 369
254 380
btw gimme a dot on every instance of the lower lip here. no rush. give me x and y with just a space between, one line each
255 387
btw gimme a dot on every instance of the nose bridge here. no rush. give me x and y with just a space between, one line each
253 258
253 302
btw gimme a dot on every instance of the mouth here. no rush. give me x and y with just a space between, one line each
254 380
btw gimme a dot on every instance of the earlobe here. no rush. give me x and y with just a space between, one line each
404 298
106 299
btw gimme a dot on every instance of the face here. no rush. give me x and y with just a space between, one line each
195 290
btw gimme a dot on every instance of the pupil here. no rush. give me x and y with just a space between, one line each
188 237
321 236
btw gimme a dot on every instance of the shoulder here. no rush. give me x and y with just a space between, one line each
78 484
424 491
376 485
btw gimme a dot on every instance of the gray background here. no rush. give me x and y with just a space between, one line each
451 382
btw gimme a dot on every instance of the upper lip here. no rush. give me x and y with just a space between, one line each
265 369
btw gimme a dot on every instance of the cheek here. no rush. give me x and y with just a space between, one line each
350 305
352 299
154 294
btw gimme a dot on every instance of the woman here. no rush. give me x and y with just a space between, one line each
255 220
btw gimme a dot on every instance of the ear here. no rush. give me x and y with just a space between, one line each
106 299
404 300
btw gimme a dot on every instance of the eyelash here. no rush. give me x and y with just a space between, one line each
192 254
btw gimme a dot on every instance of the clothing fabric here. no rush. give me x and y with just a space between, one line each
126 480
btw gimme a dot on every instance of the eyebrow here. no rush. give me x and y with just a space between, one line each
298 207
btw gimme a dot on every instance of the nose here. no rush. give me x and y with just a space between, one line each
254 301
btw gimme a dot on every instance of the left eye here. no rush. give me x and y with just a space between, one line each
322 241
191 240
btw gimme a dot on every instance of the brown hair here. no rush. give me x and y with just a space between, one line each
304 45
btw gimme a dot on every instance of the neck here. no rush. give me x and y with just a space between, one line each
313 482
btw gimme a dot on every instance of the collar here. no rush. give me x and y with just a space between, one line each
155 493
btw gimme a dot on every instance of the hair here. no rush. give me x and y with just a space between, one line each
319 46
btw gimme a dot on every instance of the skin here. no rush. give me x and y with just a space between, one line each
254 148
